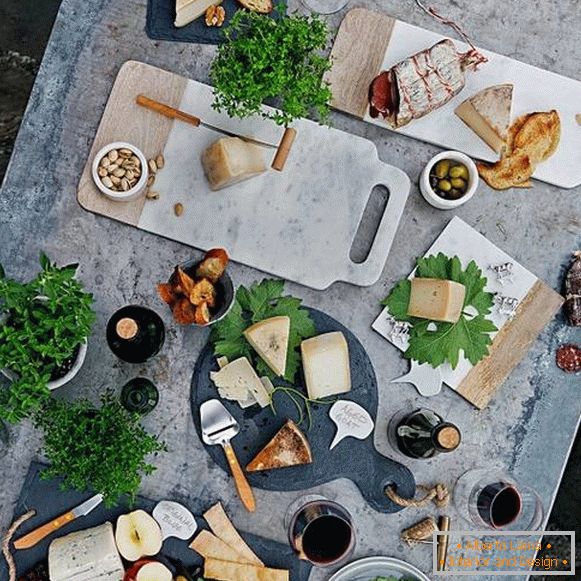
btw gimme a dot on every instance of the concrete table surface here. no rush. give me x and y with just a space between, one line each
530 424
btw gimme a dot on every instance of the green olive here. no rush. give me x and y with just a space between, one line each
459 171
442 168
444 185
458 183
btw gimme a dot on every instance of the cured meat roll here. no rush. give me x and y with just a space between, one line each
420 83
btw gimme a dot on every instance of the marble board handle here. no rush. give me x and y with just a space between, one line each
398 185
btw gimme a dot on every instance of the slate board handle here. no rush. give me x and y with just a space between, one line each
398 185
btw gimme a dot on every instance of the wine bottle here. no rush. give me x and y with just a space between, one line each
424 434
139 395
135 334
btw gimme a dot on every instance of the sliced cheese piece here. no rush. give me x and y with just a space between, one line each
269 338
212 547
288 447
222 362
437 300
231 160
267 385
488 114
326 365
237 380
223 528
225 571
88 555
188 10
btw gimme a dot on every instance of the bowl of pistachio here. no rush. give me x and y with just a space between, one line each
449 180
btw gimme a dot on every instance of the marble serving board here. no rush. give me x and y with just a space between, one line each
298 224
369 42
47 498
537 304
357 460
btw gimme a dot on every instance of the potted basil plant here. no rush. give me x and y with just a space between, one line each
43 336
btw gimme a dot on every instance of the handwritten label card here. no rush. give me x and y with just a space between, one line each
351 420
175 520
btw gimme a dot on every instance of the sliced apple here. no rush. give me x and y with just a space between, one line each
154 571
137 535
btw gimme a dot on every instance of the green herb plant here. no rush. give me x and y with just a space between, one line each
299 400
44 323
101 449
276 59
471 334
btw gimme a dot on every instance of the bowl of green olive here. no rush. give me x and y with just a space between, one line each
449 180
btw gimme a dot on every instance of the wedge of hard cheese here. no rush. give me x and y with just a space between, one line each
437 300
188 10
326 365
269 338
288 447
237 380
227 571
89 555
488 114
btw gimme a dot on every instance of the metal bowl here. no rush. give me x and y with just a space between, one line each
369 568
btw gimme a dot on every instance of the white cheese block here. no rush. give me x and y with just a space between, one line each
326 365
89 555
231 160
238 381
269 338
188 10
436 300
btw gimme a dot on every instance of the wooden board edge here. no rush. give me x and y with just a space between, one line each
150 137
357 55
511 344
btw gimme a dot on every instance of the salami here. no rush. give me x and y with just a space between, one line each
573 291
569 358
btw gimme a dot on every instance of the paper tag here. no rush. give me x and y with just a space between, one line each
351 420
175 520
426 379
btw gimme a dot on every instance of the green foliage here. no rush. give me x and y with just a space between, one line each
272 59
45 321
471 334
262 301
101 449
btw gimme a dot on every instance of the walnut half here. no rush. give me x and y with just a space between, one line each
215 16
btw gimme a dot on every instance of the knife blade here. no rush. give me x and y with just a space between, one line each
34 537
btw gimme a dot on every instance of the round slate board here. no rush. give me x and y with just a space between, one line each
357 460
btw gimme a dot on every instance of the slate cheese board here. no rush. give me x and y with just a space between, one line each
357 460
49 501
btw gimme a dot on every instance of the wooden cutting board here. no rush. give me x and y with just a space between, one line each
369 42
298 224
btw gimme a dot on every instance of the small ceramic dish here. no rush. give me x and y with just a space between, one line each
133 192
432 197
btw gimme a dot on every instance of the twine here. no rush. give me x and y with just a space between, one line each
439 494
8 537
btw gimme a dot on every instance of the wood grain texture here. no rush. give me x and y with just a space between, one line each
511 344
357 56
146 129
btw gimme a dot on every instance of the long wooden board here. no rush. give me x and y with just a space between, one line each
368 42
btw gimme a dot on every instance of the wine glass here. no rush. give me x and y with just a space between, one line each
325 6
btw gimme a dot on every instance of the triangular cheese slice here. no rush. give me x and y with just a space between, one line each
488 114
288 447
269 338
238 380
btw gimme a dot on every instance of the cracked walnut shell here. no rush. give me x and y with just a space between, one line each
215 15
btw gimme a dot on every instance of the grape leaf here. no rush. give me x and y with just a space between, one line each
262 301
470 335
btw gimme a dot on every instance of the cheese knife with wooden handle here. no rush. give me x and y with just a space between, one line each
34 537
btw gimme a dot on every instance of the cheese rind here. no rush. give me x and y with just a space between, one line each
238 380
269 338
326 365
188 10
231 160
436 300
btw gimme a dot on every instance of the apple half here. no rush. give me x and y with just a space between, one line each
137 535
154 571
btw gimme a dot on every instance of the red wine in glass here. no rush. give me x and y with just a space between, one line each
499 504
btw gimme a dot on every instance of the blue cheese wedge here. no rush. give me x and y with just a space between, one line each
238 381
188 10
89 555
269 338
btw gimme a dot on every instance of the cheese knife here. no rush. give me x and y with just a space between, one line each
34 537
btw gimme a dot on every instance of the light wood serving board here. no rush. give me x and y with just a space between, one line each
298 224
369 42
537 305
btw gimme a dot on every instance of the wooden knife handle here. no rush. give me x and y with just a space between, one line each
284 148
166 110
244 490
35 536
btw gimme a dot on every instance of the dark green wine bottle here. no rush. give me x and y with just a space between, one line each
139 395
135 334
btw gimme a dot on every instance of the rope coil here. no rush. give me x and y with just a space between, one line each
438 493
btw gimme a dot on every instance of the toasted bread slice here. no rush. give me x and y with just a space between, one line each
539 136
260 6
288 447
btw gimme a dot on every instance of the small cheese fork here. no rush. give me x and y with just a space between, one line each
219 427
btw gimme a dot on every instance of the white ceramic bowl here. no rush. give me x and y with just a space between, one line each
433 198
137 189
74 369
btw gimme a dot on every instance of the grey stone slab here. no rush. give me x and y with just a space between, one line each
530 423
